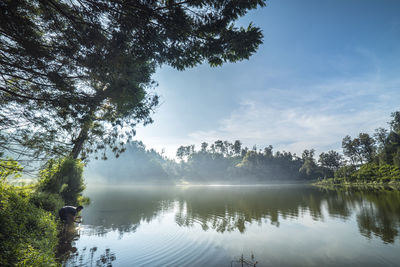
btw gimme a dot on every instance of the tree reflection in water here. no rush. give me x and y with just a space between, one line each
380 214
377 211
231 210
68 254
82 259
67 238
226 209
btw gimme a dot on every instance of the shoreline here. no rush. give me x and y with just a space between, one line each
331 184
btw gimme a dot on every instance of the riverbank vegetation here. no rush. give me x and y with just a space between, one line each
28 214
372 160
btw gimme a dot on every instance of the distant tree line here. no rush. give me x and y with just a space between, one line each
224 161
137 165
365 158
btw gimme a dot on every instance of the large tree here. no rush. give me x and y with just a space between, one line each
361 149
76 75
331 160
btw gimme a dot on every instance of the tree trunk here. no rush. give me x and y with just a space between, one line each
83 135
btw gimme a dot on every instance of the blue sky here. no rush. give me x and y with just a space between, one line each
327 68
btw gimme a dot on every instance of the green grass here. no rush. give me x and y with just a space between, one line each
28 234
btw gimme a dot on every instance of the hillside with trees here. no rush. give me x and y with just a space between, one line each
137 165
371 159
220 162
225 162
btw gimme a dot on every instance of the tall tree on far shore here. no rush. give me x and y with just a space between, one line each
360 150
331 160
309 166
390 154
75 76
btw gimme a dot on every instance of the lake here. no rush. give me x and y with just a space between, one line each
276 225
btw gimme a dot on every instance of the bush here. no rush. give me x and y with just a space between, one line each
389 172
367 172
28 235
370 172
64 177
345 172
9 167
47 201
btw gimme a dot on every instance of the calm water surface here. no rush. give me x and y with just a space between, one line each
286 225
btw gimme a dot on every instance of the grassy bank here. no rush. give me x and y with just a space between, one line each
29 225
368 175
28 234
334 183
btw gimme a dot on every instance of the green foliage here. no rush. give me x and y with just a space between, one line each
138 165
367 172
76 75
47 201
391 150
396 157
331 160
370 173
373 160
389 172
382 173
360 150
345 172
63 177
9 168
309 167
28 235
225 162
395 122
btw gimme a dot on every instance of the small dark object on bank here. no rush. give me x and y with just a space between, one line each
68 214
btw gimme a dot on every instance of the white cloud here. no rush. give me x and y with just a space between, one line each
291 119
317 117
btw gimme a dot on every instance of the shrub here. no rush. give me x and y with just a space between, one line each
390 172
367 172
9 167
64 177
28 235
345 172
47 201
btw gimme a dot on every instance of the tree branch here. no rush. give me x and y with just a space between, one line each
26 97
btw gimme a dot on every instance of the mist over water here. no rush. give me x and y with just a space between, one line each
224 163
285 225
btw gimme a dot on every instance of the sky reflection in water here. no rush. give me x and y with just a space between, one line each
211 226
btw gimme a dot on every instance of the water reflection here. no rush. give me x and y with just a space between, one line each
231 209
66 245
226 209
380 214
68 254
201 226
91 258
123 209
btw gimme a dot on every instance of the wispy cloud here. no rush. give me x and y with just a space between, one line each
315 117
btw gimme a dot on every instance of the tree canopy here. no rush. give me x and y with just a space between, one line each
76 75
